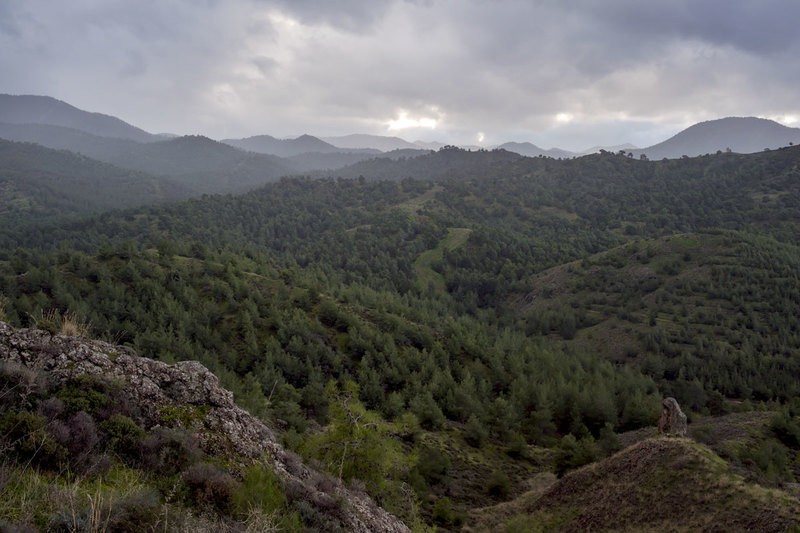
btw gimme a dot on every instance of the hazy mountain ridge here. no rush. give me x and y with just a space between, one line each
531 150
30 109
738 134
266 144
64 138
377 142
39 183
204 164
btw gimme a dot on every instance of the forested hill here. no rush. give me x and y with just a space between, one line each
487 316
39 184
204 164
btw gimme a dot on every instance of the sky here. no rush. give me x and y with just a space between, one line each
565 73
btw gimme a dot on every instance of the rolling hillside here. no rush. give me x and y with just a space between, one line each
661 484
41 184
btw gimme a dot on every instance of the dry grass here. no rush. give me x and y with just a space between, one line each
3 308
69 323
661 484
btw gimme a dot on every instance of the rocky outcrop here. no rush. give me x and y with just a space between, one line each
190 396
672 420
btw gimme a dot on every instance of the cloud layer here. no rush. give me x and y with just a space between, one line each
566 73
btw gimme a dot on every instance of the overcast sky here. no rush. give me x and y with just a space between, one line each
567 73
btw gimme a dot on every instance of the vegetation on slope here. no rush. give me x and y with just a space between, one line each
655 485
403 304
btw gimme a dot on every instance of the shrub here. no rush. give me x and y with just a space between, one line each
123 436
19 385
209 485
498 485
432 465
573 453
138 511
260 489
27 439
82 434
86 393
444 514
475 433
786 429
168 451
51 408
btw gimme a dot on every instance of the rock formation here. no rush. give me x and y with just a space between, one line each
672 420
216 421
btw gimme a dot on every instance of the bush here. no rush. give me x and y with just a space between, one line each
498 485
444 515
135 512
209 485
432 465
123 436
475 433
168 451
19 385
261 489
573 453
786 429
26 439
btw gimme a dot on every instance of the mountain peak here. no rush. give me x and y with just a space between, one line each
33 109
737 134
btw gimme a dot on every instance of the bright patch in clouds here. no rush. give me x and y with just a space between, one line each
564 118
405 121
481 136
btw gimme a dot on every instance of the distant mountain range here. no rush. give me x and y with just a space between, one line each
266 144
531 150
378 142
205 165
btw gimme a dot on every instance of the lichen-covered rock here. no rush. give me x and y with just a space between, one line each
672 420
188 394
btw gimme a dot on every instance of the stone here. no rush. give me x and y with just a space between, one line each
672 420
220 426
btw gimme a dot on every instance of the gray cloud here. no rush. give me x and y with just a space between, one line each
569 73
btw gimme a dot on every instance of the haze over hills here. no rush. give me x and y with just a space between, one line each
377 142
531 150
204 164
56 124
743 135
37 183
64 138
266 144
30 109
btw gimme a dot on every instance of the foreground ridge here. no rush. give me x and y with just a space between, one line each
220 426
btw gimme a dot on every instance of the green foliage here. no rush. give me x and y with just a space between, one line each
573 453
261 489
123 435
475 432
512 300
357 444
445 515
498 485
